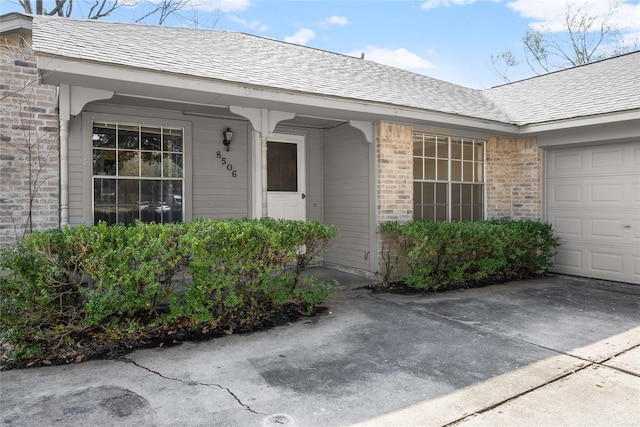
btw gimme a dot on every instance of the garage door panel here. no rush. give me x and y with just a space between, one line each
593 204
620 191
591 161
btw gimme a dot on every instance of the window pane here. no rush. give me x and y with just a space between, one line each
127 214
456 196
465 215
479 151
479 172
467 152
467 168
466 195
104 136
173 140
443 172
151 164
430 147
128 163
443 148
428 193
441 194
456 170
128 137
173 165
430 169
282 166
104 191
417 193
172 194
417 168
104 162
417 147
128 192
441 213
151 139
456 149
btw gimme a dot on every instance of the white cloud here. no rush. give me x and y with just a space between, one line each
432 4
550 14
221 5
252 25
400 58
337 20
302 36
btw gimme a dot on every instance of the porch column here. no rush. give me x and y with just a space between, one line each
265 205
64 172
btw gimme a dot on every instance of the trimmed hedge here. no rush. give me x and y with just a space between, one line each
432 255
60 287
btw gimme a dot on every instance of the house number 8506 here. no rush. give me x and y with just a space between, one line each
229 166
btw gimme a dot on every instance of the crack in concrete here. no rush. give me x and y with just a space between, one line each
191 382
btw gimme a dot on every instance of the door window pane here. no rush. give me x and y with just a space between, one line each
282 166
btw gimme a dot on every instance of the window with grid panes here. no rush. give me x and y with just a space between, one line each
448 177
137 173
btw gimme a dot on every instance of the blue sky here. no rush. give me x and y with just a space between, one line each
451 40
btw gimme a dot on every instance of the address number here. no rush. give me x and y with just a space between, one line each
229 166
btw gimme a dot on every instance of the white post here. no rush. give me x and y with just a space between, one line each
64 172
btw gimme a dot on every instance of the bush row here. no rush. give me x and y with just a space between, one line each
431 255
59 286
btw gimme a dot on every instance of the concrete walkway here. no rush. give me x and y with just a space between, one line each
555 351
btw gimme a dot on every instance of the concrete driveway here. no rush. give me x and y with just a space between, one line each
553 351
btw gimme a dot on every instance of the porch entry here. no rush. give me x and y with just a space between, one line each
286 179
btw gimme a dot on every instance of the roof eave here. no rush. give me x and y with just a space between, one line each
184 88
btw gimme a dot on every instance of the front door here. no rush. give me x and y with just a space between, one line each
286 179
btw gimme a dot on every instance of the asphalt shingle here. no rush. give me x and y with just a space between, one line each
238 58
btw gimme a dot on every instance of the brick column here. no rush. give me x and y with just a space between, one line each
513 179
395 172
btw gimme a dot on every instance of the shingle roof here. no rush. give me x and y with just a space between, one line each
603 87
611 85
252 60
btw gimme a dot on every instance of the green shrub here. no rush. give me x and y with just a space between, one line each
118 281
430 255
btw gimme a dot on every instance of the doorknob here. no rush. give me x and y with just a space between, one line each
304 196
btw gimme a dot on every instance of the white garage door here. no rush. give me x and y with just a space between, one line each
593 203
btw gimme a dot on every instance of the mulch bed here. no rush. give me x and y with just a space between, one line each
98 346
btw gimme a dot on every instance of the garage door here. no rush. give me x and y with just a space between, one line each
593 203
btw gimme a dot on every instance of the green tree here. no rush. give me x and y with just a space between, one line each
587 36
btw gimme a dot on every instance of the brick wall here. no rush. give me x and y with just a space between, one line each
29 147
395 182
513 179
395 172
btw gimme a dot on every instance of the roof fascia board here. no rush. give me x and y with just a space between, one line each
57 70
612 131
15 22
580 122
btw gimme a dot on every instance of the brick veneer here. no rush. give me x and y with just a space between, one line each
513 179
395 172
29 148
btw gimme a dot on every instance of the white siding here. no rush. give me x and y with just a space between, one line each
210 189
216 193
347 195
